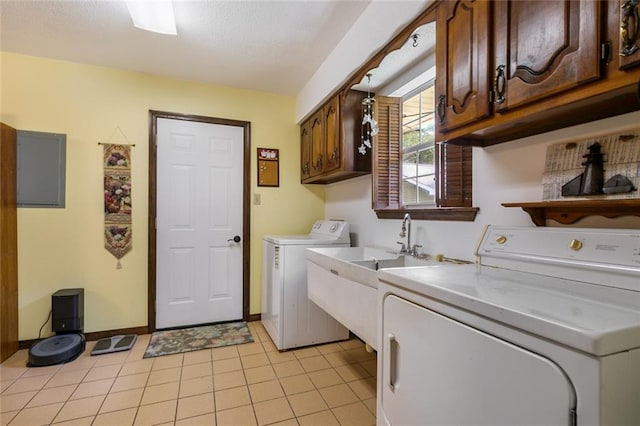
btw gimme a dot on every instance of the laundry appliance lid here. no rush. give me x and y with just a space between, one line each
590 318
323 232
303 239
578 286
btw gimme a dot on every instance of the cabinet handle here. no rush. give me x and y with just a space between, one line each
499 84
441 110
393 345
629 11
334 155
318 164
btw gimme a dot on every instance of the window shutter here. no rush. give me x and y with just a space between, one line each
454 171
386 153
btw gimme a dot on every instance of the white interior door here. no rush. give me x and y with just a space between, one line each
199 212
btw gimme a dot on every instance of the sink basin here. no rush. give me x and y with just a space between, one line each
401 261
344 281
361 263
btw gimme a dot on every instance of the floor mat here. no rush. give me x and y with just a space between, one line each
196 338
114 344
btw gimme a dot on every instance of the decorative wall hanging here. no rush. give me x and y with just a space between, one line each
268 167
117 200
604 167
369 124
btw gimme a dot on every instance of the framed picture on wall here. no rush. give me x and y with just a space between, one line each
268 167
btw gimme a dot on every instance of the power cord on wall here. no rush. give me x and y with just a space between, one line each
45 323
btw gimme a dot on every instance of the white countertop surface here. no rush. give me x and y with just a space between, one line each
595 319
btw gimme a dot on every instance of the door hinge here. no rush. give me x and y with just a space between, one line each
492 96
573 417
605 52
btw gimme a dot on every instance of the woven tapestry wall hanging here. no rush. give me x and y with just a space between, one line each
117 200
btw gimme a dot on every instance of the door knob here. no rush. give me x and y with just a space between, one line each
235 239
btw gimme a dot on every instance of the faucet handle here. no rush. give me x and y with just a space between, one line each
403 248
414 249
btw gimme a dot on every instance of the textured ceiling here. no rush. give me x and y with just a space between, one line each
272 46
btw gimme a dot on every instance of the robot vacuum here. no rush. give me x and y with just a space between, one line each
56 349
67 321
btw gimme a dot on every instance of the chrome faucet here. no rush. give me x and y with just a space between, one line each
405 231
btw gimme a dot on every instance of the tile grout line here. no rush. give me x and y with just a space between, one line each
108 392
266 348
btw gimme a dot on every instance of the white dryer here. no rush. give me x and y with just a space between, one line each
544 330
289 317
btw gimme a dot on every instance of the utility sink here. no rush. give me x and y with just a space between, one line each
344 281
361 263
399 262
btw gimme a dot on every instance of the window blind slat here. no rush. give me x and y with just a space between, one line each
455 175
386 153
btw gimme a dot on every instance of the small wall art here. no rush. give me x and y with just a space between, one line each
603 167
268 167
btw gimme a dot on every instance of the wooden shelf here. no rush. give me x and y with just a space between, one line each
568 212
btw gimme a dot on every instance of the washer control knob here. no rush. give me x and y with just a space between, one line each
501 239
575 245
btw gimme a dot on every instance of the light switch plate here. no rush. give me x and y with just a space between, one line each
257 199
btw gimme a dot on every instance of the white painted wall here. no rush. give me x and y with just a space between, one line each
509 172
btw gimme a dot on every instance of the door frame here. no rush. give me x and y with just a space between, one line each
151 223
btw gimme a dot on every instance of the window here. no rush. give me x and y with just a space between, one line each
428 179
418 148
437 184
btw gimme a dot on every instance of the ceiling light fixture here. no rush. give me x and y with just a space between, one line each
153 15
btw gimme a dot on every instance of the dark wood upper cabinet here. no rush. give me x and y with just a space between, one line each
330 138
331 118
316 134
624 17
305 150
462 82
548 65
543 48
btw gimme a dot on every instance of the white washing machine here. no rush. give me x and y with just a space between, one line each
288 315
544 330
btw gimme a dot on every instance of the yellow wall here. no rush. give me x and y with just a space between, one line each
63 248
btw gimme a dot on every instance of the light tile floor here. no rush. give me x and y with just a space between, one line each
250 384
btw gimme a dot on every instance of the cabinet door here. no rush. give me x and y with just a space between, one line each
305 150
437 371
316 133
462 51
543 48
332 139
627 26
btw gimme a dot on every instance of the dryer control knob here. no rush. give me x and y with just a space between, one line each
575 245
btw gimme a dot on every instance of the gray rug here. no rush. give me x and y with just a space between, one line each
197 338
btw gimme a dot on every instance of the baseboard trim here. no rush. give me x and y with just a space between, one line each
95 335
